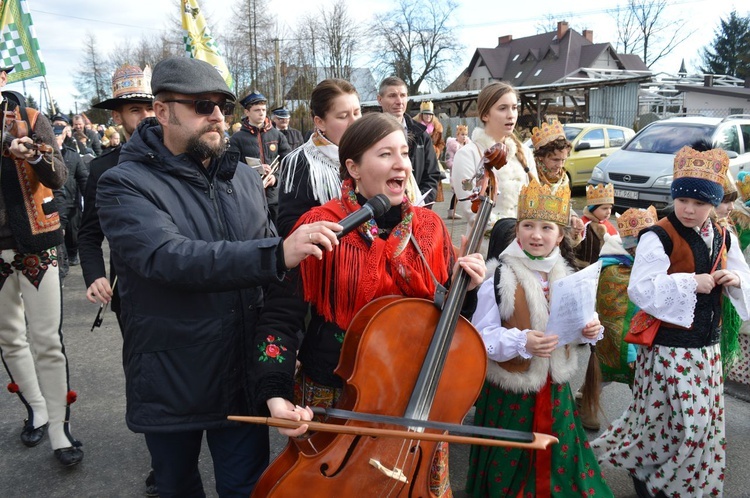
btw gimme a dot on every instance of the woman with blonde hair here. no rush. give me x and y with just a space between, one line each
497 107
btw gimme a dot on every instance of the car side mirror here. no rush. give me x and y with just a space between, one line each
583 146
732 154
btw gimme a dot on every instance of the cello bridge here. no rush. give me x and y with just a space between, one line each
396 474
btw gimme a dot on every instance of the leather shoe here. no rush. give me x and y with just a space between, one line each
31 437
151 488
69 456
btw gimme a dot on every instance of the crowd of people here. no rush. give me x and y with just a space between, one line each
241 282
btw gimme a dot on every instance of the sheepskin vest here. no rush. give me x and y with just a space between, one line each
522 305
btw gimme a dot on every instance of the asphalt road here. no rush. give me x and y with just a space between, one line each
116 460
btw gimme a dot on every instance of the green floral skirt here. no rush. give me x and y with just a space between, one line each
567 469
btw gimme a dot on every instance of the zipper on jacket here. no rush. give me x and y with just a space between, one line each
212 196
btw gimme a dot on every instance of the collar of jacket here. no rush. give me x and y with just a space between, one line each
246 126
413 125
147 146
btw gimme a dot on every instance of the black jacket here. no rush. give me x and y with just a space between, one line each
262 143
90 236
75 184
293 137
423 160
193 248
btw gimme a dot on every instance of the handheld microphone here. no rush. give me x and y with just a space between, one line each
374 208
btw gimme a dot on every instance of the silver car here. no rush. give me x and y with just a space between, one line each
641 171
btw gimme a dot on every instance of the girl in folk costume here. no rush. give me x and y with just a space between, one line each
671 438
406 252
527 380
497 106
451 147
600 200
615 357
310 174
740 217
551 149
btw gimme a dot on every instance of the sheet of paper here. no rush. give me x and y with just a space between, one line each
420 198
253 162
573 304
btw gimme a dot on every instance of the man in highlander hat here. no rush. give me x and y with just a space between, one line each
30 293
130 104
196 259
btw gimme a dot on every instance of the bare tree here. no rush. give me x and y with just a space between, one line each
649 32
340 39
628 35
252 32
93 78
416 42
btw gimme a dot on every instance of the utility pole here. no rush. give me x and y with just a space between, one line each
277 74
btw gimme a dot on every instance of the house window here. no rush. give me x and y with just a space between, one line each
519 74
482 82
516 57
474 84
538 71
736 110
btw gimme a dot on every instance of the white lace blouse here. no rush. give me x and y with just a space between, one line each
672 298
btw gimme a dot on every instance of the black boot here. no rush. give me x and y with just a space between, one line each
69 456
31 437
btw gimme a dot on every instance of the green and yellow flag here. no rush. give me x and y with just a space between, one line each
18 45
198 40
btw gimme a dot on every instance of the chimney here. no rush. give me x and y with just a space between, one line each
505 39
562 28
589 35
708 80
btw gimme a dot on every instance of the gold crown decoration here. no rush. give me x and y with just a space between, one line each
729 184
631 222
130 81
710 165
546 134
743 185
600 194
537 202
427 106
462 129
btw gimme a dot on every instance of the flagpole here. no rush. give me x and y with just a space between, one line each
49 96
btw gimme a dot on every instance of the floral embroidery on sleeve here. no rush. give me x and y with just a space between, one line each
272 350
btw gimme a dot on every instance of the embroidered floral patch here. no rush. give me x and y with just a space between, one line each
34 265
272 349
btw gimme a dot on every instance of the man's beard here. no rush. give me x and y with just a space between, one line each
198 147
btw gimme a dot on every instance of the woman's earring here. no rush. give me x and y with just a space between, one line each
356 187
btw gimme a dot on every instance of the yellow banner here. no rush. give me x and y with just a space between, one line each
198 40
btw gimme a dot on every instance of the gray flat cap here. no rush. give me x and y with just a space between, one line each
188 76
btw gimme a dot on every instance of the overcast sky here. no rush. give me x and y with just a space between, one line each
61 27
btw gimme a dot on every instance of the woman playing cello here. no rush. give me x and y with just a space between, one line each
406 252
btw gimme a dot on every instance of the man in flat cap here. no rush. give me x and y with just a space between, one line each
30 294
258 139
196 259
281 117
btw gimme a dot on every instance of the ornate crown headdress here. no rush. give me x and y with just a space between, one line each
462 129
427 106
600 194
710 165
537 202
546 134
631 222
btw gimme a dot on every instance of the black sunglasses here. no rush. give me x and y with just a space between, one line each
206 107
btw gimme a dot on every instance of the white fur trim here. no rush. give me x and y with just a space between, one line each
612 246
564 361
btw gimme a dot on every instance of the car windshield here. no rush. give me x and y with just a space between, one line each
571 132
668 138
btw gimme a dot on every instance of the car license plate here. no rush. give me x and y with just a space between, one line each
627 194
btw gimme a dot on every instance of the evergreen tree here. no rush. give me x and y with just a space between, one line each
31 101
730 51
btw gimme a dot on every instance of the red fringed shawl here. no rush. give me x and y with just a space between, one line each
364 267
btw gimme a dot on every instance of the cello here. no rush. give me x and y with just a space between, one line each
427 370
